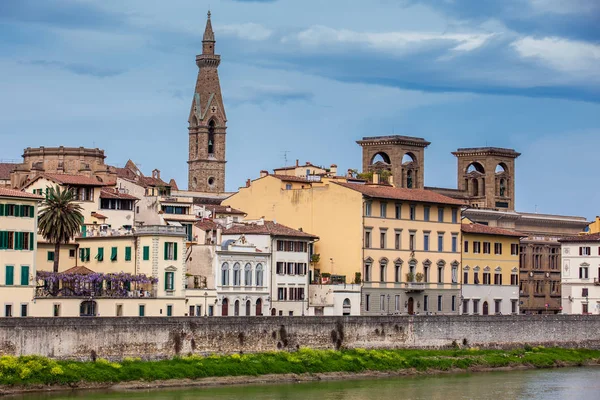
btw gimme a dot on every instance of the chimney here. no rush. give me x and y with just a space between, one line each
376 178
248 183
333 170
156 173
261 221
264 173
297 163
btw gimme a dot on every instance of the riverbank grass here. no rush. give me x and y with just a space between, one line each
34 370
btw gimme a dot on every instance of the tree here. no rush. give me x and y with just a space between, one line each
60 219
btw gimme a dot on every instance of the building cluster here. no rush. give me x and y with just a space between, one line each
301 240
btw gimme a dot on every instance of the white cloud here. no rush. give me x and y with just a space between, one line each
561 54
248 31
388 41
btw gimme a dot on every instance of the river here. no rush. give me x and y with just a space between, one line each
567 383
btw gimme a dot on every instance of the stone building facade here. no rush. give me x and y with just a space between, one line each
207 122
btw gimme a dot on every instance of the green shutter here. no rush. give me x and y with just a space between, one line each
1 210
18 241
175 251
127 253
31 246
24 275
82 254
100 255
22 210
87 254
166 280
113 254
31 211
166 250
50 256
10 271
146 253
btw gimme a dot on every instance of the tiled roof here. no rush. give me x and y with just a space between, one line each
488 230
4 192
6 169
207 225
207 201
268 228
173 184
221 209
290 178
68 179
590 237
394 193
80 270
150 181
98 215
109 193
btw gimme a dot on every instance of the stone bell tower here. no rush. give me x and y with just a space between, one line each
207 122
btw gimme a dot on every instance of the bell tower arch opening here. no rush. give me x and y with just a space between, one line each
402 156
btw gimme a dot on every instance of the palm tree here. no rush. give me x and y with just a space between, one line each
60 219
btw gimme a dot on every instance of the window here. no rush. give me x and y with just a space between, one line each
440 269
465 305
71 253
50 256
128 253
119 310
225 274
497 306
398 210
368 208
382 239
142 310
426 211
486 278
9 275
440 214
367 239
397 272
211 311
146 253
439 303
513 306
280 268
170 310
397 240
426 272
425 303
248 275
465 277
113 254
288 186
24 275
514 279
475 306
454 242
476 247
413 212
466 246
397 303
8 310
281 293
169 281
440 241
476 277
426 241
514 249
56 310
453 303
290 268
498 278
497 248
367 302
23 310
584 308
171 251
584 292
454 272
383 209
454 215
367 272
382 268
382 302
236 274
486 247
411 241
259 275
585 251
583 272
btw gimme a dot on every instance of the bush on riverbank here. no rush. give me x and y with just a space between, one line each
28 370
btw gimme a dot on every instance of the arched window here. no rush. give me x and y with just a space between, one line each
259 307
248 275
87 309
211 136
346 307
248 306
259 275
236 308
225 274
236 274
225 307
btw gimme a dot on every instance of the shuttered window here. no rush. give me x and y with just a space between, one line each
24 275
146 253
10 275
128 253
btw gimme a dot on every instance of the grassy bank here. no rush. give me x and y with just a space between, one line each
32 370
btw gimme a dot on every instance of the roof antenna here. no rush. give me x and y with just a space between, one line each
285 153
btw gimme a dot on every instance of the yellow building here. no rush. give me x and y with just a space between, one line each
594 227
402 243
490 261
143 275
18 224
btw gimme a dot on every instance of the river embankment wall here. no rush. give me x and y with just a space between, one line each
158 338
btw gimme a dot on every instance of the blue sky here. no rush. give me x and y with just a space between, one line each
310 78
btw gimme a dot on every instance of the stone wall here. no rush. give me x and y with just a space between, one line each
154 338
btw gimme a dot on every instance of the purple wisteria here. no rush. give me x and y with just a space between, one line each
93 284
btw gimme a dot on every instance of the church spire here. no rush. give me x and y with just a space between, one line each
208 41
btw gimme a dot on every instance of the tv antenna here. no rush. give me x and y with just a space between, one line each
285 153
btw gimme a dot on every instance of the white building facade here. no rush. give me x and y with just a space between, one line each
580 277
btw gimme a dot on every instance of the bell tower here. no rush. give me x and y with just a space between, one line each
207 122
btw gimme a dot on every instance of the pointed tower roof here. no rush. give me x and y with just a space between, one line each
209 35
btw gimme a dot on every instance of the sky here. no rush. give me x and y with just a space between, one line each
305 79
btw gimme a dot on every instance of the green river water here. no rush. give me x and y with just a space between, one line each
567 383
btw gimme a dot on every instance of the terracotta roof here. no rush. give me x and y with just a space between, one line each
6 169
81 270
150 181
394 193
207 225
110 193
207 201
221 209
68 179
98 215
290 178
268 228
590 237
489 230
173 184
4 192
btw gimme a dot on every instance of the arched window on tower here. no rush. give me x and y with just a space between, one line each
211 136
